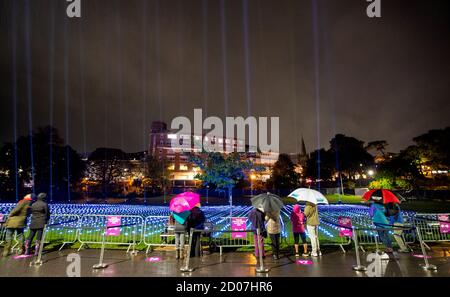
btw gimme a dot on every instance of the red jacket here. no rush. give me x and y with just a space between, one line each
298 220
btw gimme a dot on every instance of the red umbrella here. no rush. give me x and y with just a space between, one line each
377 195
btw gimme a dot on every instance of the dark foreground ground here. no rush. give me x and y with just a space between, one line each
333 263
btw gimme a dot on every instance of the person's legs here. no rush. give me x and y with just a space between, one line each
385 239
29 241
38 240
305 244
317 240
273 245
277 244
312 236
8 242
20 239
182 240
296 237
177 244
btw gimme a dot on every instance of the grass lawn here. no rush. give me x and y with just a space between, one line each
333 198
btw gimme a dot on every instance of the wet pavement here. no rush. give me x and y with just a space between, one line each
162 263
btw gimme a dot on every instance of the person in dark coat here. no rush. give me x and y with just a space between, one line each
257 218
16 222
196 220
40 215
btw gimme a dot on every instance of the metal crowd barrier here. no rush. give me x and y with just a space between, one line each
432 228
360 267
63 228
222 236
127 230
157 232
187 267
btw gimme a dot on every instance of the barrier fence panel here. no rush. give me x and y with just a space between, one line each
433 227
158 232
118 230
231 232
63 229
2 228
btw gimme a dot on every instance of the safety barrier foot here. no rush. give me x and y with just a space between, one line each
133 253
100 266
36 263
186 269
262 270
359 268
428 267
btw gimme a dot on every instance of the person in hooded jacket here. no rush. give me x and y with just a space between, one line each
40 215
298 228
16 222
196 220
377 212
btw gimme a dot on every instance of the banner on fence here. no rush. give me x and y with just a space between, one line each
113 221
238 224
346 222
444 225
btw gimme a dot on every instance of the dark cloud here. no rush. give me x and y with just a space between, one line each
114 72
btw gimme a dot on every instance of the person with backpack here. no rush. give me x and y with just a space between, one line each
298 229
394 213
40 215
16 222
274 230
196 221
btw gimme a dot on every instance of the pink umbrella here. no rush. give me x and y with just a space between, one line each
184 201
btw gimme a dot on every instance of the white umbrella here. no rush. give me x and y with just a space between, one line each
309 195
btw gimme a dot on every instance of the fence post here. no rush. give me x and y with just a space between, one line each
186 267
100 264
358 266
261 268
134 252
427 265
39 261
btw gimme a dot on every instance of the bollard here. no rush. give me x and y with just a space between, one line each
427 265
261 268
39 261
186 267
100 264
358 266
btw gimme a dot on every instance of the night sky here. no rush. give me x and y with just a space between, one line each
102 79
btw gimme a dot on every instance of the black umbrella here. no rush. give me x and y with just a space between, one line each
267 202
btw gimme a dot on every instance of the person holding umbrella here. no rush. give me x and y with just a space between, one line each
377 211
395 216
312 199
271 205
196 220
274 230
312 225
16 222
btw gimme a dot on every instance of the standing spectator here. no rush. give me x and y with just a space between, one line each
396 218
256 217
377 212
312 225
298 228
180 233
40 215
274 230
16 222
196 220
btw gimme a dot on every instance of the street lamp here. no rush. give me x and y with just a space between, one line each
370 172
252 178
